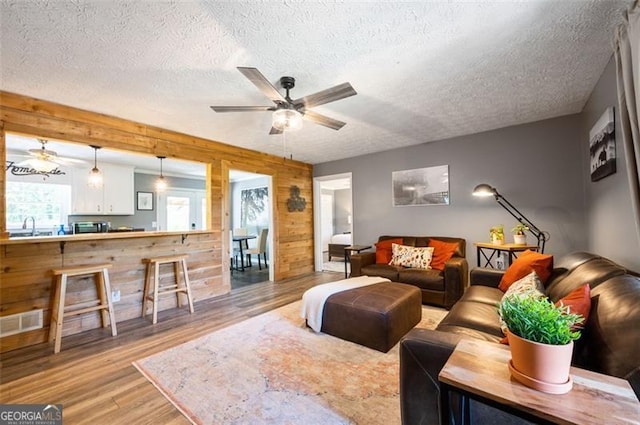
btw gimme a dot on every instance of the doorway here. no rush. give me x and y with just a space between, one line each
182 209
333 220
250 206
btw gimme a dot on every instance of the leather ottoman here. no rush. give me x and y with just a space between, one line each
375 316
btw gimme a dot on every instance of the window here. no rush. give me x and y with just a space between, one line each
49 204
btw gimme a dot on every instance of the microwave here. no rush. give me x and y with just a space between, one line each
90 227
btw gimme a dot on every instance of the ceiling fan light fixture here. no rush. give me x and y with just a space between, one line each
41 165
95 175
287 119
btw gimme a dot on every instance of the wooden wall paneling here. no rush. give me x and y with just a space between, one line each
225 220
3 187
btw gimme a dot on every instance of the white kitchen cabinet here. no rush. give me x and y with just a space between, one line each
85 199
114 198
118 190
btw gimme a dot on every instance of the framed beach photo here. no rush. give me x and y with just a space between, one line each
145 201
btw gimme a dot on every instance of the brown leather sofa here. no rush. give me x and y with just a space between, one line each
440 288
609 344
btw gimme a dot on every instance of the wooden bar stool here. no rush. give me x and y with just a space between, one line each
100 273
153 295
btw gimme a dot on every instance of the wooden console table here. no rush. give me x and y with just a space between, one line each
479 370
493 249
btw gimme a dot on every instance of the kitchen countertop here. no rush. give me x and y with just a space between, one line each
94 236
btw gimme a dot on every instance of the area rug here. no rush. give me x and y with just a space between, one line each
272 369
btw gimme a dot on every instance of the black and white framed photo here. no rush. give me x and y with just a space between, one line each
602 146
422 186
145 201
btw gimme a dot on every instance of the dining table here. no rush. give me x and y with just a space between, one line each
241 239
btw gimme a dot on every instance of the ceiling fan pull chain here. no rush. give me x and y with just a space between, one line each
284 145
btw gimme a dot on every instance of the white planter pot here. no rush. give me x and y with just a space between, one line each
520 239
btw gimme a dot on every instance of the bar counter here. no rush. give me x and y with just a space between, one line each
26 280
95 236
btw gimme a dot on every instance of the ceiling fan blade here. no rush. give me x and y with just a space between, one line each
275 131
242 108
325 96
262 83
323 120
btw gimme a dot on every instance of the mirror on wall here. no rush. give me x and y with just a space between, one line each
51 184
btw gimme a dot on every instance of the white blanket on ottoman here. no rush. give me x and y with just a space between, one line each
313 299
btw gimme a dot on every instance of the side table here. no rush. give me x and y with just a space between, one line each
493 249
479 370
348 250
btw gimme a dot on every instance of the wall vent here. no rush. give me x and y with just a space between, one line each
21 322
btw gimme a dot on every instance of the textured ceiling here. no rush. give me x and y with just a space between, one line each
423 71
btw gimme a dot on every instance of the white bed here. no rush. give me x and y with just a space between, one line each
341 239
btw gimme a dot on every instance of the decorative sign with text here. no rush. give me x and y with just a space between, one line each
18 170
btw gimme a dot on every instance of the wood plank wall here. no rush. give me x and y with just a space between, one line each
292 233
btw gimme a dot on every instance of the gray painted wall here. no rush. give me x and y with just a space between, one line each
536 166
610 228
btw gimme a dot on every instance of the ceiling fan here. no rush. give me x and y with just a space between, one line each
45 160
288 113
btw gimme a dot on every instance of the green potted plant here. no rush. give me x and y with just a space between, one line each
519 237
540 336
496 233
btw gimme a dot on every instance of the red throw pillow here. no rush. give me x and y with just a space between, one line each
527 262
579 301
442 251
383 250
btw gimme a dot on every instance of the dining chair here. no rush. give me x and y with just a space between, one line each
261 248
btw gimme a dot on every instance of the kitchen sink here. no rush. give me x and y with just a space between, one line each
25 233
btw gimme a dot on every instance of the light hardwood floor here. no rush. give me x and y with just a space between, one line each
92 377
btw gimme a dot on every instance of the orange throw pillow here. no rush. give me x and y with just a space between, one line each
527 262
579 301
383 250
442 251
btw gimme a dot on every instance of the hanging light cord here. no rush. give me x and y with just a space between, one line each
95 157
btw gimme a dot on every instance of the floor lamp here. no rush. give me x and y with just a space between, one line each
485 190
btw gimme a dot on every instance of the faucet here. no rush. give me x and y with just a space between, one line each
33 227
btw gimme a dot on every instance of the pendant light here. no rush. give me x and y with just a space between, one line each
161 182
95 176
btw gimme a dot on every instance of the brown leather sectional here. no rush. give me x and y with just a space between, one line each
610 341
439 288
